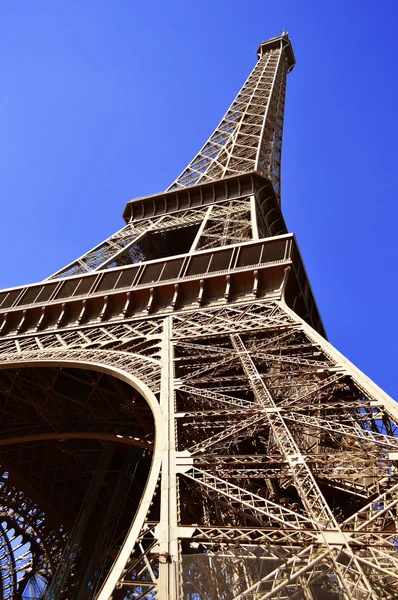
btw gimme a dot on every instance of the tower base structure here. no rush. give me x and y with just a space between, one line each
270 467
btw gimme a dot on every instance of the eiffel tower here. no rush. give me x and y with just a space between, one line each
175 424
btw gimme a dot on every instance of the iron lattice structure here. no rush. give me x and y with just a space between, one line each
175 424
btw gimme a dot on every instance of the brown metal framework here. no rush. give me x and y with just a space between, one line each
175 424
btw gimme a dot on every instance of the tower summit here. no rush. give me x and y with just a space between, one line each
175 424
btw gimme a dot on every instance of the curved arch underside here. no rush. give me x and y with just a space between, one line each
76 450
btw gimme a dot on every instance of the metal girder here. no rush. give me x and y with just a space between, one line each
125 246
270 457
249 137
172 425
333 403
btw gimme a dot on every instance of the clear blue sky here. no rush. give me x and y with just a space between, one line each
103 101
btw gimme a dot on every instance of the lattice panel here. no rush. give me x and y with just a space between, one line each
123 247
227 223
249 137
288 448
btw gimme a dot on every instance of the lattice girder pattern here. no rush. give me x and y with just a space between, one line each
173 428
131 245
249 136
220 224
290 445
248 139
59 534
284 458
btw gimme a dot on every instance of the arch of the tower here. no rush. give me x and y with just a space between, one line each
79 463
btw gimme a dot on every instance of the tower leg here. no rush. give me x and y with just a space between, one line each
168 533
